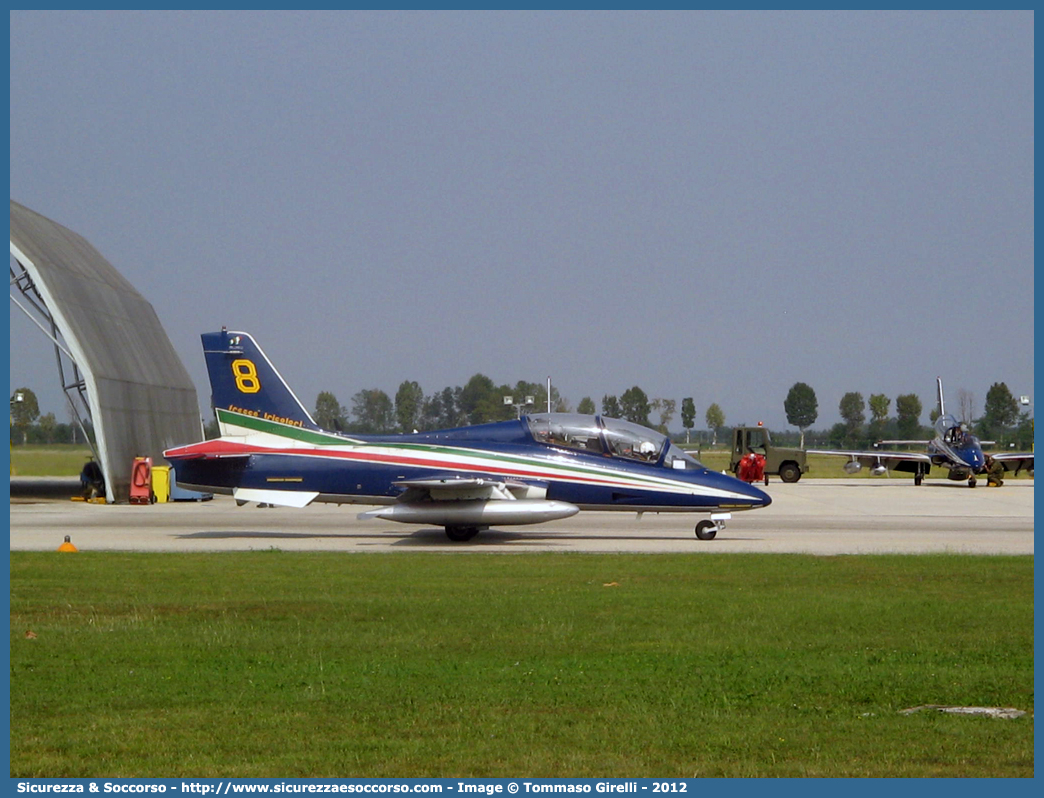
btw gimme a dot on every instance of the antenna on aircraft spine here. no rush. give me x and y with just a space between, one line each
548 393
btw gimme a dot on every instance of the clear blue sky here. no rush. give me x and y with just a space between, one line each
704 204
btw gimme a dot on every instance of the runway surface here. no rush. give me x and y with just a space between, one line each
828 517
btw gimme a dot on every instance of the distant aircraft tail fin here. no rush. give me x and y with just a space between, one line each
942 405
245 385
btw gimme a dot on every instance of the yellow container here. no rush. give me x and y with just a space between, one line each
161 483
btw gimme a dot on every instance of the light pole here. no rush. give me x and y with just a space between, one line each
15 399
510 400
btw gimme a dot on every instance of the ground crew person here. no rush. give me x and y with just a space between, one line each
92 482
994 472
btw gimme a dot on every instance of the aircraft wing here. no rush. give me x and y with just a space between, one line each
1014 461
893 461
457 488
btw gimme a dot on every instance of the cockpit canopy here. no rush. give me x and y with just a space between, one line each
953 431
608 436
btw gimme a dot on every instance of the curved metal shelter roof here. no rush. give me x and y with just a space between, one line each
136 390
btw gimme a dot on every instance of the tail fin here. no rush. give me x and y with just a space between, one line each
942 406
243 381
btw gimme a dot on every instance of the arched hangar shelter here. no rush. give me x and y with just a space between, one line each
115 362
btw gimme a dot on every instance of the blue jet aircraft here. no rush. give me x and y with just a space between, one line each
537 468
952 448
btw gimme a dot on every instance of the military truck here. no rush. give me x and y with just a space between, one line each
788 464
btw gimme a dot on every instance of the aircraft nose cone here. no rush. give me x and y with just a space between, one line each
736 492
975 459
758 496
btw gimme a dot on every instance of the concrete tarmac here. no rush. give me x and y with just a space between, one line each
827 516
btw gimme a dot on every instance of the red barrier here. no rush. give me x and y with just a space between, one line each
141 481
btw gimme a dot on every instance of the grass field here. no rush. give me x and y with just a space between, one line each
49 460
279 664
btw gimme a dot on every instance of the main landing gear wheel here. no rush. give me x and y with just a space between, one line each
461 534
971 482
918 478
706 530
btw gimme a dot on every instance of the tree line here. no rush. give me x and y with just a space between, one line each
481 400
1001 419
28 425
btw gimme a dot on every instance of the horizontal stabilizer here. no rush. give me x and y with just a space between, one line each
208 450
283 498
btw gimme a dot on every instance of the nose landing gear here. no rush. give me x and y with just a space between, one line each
707 530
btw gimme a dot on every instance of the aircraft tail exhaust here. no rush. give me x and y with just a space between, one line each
243 381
